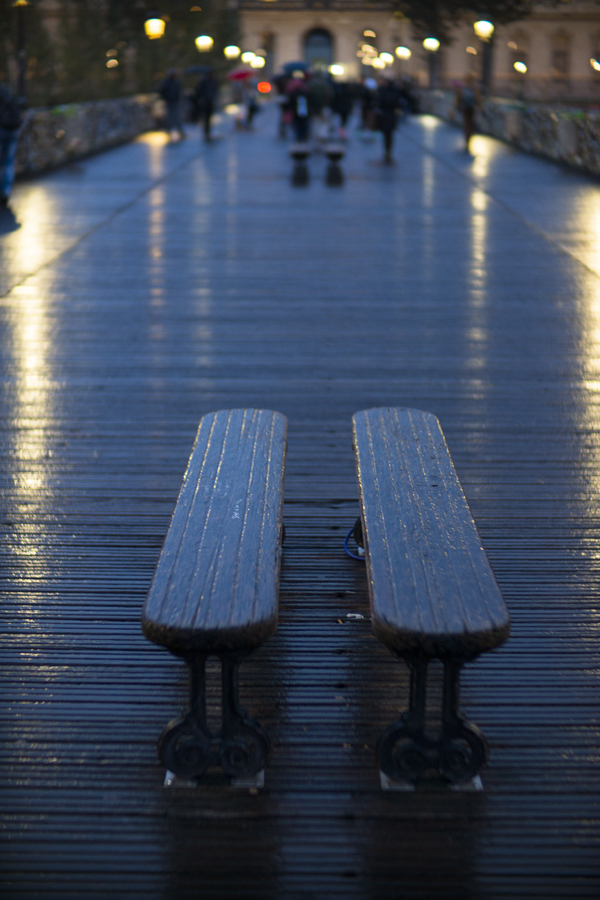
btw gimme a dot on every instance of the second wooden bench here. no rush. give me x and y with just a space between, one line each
433 594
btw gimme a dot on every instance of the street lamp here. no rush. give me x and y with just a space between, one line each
154 27
484 30
204 43
20 6
403 52
231 51
432 45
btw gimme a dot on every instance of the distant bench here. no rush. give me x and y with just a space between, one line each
215 589
432 591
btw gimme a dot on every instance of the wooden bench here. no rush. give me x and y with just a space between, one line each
433 594
215 589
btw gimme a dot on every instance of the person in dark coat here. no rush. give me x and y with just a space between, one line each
298 106
388 105
11 117
170 90
205 101
342 104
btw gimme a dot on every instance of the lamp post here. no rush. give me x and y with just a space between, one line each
154 27
432 45
20 6
484 30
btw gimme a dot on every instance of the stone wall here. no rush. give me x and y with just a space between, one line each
51 137
567 135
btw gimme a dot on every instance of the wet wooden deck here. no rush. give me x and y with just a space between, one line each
153 284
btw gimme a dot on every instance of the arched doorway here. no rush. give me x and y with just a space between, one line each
318 49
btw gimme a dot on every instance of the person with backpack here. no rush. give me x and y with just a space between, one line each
11 118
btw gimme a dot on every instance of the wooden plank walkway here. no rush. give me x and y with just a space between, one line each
156 283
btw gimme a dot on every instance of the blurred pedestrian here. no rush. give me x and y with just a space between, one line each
170 91
367 103
342 104
250 103
467 103
298 106
389 105
11 118
205 100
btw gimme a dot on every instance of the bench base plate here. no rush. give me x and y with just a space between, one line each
392 784
251 782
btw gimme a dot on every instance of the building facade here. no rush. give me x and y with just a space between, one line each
555 48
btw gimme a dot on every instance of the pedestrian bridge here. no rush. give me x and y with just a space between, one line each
152 284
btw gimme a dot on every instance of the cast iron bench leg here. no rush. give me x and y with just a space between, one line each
463 748
244 745
406 752
187 747
184 747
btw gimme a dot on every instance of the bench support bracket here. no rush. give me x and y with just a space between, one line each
187 747
407 752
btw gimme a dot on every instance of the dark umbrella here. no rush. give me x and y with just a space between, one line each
295 67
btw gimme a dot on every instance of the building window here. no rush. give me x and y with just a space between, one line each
560 56
318 49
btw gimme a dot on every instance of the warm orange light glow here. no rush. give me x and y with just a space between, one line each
112 63
403 52
154 28
483 29
204 42
431 44
263 87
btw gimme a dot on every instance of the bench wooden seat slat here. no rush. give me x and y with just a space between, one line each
431 586
216 584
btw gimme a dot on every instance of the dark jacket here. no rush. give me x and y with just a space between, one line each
11 112
388 104
170 90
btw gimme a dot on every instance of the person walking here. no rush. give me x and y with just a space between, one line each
388 107
170 91
11 118
298 106
205 100
467 103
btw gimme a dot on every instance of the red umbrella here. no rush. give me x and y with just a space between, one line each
239 74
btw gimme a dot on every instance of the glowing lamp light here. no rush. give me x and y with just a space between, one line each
367 61
336 69
112 63
369 33
18 3
258 62
263 87
387 58
520 67
231 51
595 65
204 43
378 63
483 29
472 51
366 48
248 56
403 52
154 28
431 44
